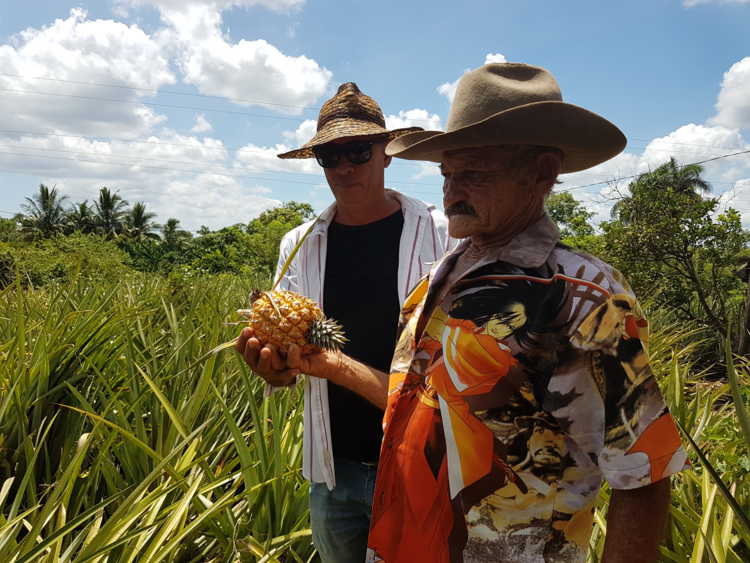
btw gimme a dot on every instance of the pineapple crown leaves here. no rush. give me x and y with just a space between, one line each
326 333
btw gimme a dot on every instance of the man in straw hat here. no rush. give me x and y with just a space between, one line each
359 261
511 309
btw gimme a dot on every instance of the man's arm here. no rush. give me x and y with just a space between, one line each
636 521
334 366
342 370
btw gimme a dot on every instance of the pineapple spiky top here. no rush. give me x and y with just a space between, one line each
282 318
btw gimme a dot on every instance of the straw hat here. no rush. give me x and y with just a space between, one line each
350 113
514 103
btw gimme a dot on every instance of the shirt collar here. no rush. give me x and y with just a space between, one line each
529 248
408 205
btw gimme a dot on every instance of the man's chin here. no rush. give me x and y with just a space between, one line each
461 226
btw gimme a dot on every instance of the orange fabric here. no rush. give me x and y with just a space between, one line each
659 441
412 513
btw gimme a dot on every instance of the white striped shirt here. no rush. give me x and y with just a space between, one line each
424 239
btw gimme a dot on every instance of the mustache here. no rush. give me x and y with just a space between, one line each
461 208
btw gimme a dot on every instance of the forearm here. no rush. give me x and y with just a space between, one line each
636 521
362 379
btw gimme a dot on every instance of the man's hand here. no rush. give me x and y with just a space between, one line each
342 370
265 360
636 521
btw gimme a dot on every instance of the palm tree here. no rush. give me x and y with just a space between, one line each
683 180
45 215
138 223
82 218
171 233
110 211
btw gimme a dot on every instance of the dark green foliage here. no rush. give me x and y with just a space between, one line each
138 223
45 215
61 259
674 249
574 221
10 229
110 213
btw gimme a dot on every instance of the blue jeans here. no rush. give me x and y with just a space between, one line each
340 519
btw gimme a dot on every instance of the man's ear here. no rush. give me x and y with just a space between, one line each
387 161
548 166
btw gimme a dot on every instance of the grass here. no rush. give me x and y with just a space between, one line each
123 439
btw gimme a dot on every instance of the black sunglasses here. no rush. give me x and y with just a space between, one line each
356 152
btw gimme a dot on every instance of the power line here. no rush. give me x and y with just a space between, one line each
194 171
238 101
153 104
157 104
160 143
636 175
136 160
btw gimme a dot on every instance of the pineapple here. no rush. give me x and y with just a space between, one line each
282 318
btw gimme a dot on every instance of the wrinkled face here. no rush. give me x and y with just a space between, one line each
483 197
353 183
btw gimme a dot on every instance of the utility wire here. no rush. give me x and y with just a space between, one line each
614 180
161 105
238 101
200 146
263 102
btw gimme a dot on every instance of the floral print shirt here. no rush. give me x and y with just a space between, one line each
510 400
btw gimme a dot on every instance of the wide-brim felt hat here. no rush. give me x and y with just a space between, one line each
515 104
348 114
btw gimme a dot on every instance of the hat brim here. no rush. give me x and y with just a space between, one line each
343 130
585 138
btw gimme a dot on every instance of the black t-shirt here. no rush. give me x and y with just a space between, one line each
361 292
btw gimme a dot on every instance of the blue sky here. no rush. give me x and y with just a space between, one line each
183 104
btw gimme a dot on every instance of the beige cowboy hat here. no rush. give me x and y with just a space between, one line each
517 104
350 113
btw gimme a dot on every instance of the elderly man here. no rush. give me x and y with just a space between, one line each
359 261
514 321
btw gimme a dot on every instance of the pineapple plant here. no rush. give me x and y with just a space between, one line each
282 318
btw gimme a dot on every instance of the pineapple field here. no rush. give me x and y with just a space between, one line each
124 439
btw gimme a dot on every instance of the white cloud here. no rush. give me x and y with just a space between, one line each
254 158
303 133
201 124
495 58
693 143
250 72
739 198
426 170
175 175
413 118
448 89
70 60
733 104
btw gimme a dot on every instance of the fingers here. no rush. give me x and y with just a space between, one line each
265 360
245 334
282 378
294 356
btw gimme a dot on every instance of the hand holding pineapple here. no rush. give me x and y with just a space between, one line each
278 322
288 335
264 359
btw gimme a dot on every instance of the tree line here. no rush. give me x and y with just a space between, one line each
50 226
666 233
